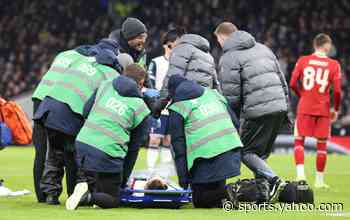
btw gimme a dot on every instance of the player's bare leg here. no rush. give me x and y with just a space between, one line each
321 160
166 159
299 157
166 154
153 152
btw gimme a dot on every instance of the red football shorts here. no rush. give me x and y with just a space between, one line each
312 126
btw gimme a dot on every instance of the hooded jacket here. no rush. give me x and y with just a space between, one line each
105 52
191 58
218 168
251 78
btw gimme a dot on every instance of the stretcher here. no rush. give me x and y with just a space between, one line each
173 197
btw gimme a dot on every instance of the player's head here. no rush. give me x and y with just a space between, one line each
135 32
322 42
169 39
223 30
137 73
156 182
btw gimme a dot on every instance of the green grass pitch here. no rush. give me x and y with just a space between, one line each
16 170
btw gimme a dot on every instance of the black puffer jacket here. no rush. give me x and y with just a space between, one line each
251 78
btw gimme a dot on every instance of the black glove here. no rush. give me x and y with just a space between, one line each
184 185
184 181
155 105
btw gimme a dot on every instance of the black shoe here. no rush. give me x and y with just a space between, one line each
263 188
86 200
231 191
276 187
42 199
52 200
1 182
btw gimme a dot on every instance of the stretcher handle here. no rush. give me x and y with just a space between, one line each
157 191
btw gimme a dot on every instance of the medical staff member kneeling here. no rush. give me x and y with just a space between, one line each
110 139
204 139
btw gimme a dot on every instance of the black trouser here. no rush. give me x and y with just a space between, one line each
258 136
209 195
87 176
40 146
60 155
107 193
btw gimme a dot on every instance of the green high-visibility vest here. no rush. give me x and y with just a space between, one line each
209 130
62 60
75 83
111 119
141 61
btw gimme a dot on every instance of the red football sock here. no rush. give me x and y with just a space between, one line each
321 157
299 151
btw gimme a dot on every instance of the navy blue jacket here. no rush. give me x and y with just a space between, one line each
105 52
57 115
218 168
92 159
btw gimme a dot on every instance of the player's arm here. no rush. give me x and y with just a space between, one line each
152 69
178 62
295 76
336 81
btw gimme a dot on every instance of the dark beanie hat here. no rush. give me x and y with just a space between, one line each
132 27
174 82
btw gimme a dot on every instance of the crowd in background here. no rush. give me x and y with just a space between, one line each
34 31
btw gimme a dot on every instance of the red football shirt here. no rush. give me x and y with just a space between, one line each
315 75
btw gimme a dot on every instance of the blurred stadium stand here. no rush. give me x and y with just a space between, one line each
33 32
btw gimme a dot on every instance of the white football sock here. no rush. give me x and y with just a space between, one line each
166 162
165 155
319 178
152 157
300 172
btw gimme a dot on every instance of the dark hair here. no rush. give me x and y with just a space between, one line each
321 39
135 72
225 28
172 35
